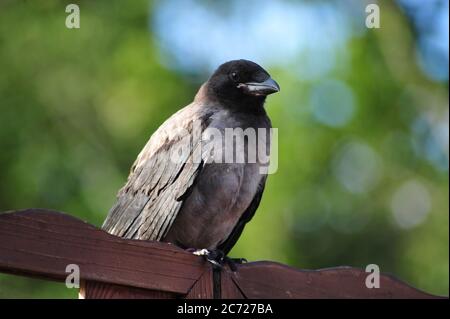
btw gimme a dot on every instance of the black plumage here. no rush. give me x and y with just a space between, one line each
195 202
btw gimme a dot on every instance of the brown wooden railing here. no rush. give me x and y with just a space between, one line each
41 243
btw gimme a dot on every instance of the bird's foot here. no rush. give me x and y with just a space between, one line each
219 259
232 262
215 257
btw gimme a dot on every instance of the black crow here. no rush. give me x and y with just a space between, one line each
197 199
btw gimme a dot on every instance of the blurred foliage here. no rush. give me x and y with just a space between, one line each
76 107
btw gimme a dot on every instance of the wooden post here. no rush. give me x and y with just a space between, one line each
41 243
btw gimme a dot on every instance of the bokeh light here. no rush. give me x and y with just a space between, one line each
410 204
357 167
332 103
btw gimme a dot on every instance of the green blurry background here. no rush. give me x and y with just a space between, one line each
362 119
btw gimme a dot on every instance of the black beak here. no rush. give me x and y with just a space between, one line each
267 87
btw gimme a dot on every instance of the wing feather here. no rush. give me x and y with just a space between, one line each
150 200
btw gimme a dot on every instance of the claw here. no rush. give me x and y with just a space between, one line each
218 258
215 257
201 252
215 263
232 262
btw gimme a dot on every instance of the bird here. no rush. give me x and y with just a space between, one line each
199 201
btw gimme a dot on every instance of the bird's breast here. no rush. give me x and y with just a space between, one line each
222 192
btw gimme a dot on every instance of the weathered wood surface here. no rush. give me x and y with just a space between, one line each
229 288
100 290
41 243
203 288
281 281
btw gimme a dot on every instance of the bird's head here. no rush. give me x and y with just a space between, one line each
242 84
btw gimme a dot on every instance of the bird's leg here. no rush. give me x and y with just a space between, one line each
215 257
232 262
218 258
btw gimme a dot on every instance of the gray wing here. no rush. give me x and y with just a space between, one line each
150 200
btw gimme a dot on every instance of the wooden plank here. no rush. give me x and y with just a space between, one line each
41 243
229 289
203 288
100 290
274 280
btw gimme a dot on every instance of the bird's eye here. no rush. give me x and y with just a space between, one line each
234 76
